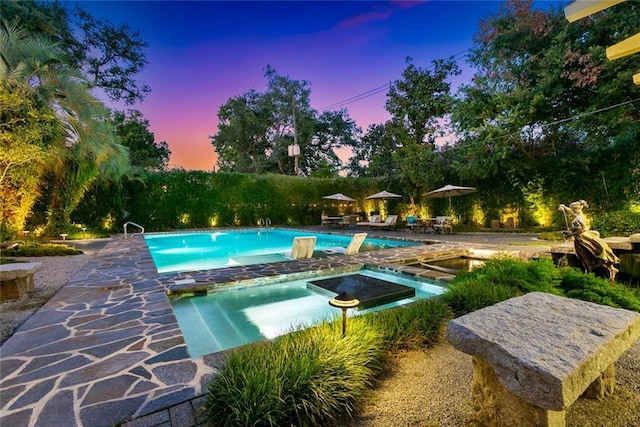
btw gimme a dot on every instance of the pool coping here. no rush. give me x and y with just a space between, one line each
107 347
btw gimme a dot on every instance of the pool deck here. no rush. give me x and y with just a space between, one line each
107 349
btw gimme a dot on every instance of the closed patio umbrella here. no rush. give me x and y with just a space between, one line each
449 191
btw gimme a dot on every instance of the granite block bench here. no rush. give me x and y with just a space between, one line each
16 280
534 355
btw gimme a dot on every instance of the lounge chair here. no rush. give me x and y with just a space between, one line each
442 224
9 245
303 247
389 224
373 219
352 248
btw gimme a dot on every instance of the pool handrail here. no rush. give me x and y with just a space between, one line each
135 225
264 222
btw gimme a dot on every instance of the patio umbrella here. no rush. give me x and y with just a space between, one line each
383 195
339 196
449 191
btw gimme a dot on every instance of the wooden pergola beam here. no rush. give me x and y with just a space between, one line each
581 8
624 48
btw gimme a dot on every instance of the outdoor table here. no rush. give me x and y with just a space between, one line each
332 220
425 224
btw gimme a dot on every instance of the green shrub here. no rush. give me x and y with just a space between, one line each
43 250
309 377
414 326
526 276
10 260
616 223
588 287
499 279
551 236
474 294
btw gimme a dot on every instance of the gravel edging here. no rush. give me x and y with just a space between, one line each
53 275
423 388
433 388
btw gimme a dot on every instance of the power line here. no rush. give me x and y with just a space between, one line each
544 125
379 89
357 97
567 119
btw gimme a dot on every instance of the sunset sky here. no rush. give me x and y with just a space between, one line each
203 53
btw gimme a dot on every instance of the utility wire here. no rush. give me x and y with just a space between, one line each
567 119
544 125
379 89
357 97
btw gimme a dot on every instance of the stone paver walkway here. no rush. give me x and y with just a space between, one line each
107 349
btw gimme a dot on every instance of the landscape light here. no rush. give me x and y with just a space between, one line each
344 301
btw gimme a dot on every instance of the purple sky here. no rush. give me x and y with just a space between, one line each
203 53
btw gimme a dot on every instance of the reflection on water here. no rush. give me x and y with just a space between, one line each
458 263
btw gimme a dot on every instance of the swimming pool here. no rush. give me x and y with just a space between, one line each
231 318
172 252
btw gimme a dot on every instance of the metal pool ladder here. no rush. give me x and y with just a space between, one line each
264 222
135 225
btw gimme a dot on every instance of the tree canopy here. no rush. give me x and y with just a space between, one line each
133 132
255 130
57 137
109 56
546 118
547 109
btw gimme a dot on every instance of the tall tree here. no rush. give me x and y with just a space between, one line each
243 140
26 129
255 130
405 147
374 156
73 142
420 100
110 56
133 132
29 127
102 57
546 106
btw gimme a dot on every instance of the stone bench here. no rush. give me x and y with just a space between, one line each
534 355
16 280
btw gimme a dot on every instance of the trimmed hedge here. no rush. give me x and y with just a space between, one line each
181 199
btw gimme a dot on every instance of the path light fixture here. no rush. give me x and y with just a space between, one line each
344 301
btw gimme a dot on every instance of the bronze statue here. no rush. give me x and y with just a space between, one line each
591 250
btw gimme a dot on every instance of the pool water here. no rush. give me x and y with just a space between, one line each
172 252
457 264
233 318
